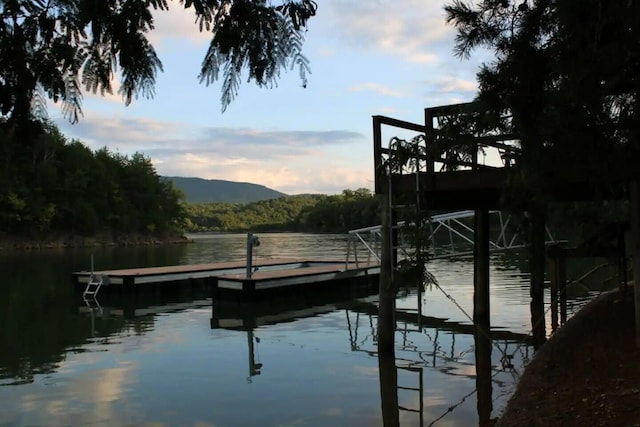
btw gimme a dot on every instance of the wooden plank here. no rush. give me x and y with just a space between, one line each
150 271
399 123
304 271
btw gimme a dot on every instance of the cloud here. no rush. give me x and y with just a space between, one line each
292 161
449 90
448 84
377 88
177 24
412 29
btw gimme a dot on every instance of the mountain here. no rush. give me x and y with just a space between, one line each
198 190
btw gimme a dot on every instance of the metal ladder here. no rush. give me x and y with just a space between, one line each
417 389
94 284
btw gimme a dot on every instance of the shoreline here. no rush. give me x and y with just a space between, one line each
71 242
587 373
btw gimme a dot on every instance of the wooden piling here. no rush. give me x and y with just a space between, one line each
634 204
386 302
481 315
484 386
537 262
481 309
554 292
558 277
389 390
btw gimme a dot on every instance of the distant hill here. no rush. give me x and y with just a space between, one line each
198 190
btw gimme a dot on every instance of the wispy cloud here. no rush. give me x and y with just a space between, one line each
449 90
177 24
292 161
411 29
377 88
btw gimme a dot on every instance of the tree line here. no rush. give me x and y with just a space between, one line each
307 212
50 185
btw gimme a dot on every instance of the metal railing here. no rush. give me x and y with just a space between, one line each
457 240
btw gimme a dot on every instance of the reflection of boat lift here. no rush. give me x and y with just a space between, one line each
254 367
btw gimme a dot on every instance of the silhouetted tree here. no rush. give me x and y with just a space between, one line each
56 48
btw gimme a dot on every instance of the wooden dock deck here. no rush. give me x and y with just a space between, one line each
231 277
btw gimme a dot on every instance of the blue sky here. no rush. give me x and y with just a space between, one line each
388 57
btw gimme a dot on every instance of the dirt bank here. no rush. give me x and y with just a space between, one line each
587 374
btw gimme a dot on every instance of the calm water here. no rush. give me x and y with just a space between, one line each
193 362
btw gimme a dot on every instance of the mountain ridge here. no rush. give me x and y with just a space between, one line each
201 190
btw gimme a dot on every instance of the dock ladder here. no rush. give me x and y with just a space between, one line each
94 284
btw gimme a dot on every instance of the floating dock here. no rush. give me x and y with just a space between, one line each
230 277
247 279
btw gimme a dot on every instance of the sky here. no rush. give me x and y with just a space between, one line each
374 57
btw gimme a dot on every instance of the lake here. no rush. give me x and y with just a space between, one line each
304 361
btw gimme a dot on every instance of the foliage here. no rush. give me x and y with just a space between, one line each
56 48
568 77
307 212
49 184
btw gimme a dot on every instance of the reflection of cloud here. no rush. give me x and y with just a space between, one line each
92 395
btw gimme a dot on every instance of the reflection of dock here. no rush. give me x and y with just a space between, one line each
131 310
241 315
441 324
246 316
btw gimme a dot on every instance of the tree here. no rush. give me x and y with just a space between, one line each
57 48
568 76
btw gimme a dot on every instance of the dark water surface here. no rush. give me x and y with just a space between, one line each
299 361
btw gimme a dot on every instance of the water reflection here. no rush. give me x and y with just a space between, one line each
423 345
311 360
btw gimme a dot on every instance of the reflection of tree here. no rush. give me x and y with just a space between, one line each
40 322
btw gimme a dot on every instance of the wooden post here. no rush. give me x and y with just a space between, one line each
537 261
634 204
481 315
428 126
558 276
481 269
389 390
622 260
562 284
553 258
386 304
483 378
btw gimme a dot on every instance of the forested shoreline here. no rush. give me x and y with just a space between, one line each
300 213
57 192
